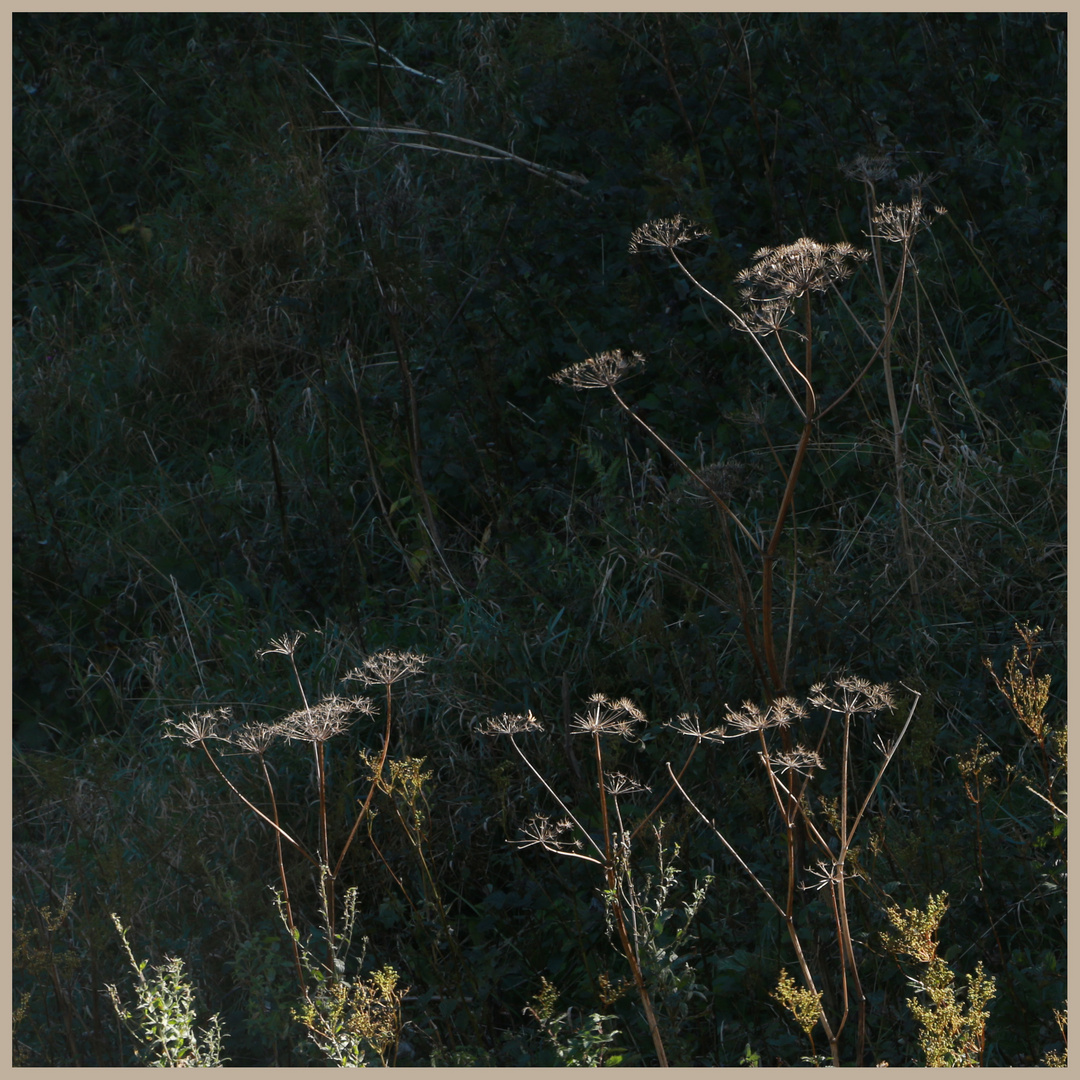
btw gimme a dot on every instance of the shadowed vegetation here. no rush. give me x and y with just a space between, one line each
680 398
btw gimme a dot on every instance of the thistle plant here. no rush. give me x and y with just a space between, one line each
602 718
830 827
314 724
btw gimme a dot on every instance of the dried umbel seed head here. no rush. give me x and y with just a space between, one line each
899 224
286 645
620 784
724 477
825 874
850 694
798 760
198 727
327 718
604 716
387 667
552 835
690 724
793 270
915 183
665 234
869 168
762 317
255 738
511 724
752 718
605 369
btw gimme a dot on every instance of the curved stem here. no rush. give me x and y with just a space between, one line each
371 791
562 805
677 458
742 326
723 840
769 555
255 810
789 921
603 799
284 882
648 817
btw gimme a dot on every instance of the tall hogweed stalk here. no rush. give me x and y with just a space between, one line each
315 724
830 824
778 291
609 850
950 1035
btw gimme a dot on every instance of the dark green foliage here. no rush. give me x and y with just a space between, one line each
273 373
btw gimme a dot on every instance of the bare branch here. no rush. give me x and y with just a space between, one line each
564 179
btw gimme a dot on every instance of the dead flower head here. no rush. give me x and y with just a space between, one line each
605 369
286 645
327 718
917 182
793 270
752 718
255 738
690 724
665 234
551 835
850 694
388 667
197 727
826 875
799 760
899 224
604 716
620 784
511 724
763 317
869 168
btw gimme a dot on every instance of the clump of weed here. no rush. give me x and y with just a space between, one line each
950 1033
163 1023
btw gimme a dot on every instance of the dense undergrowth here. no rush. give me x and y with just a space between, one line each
289 294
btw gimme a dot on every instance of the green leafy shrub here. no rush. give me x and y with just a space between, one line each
164 1018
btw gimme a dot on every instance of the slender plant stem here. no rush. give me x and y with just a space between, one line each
563 806
371 790
789 921
284 880
254 809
